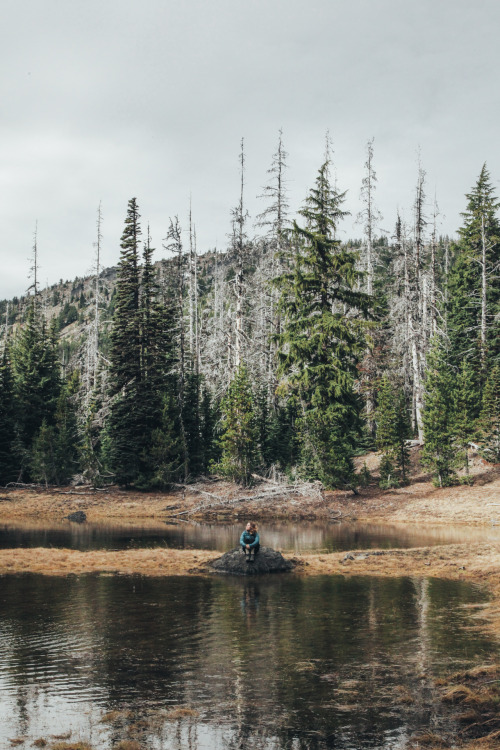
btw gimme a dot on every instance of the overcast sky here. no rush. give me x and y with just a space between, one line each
110 99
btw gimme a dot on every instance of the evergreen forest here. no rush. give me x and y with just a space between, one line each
289 353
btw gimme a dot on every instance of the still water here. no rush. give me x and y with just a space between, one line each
283 662
296 537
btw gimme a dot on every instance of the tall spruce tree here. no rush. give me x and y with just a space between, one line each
489 420
240 437
323 337
37 379
474 284
126 440
392 431
9 468
466 411
438 416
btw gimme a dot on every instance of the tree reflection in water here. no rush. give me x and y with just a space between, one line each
281 662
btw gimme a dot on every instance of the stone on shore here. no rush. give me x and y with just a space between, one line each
77 517
235 563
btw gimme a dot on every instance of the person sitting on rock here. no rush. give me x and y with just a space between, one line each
249 541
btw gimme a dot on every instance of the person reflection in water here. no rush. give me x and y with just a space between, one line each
250 601
250 541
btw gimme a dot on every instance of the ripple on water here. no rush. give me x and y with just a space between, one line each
346 661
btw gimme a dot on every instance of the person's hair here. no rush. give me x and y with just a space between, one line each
253 525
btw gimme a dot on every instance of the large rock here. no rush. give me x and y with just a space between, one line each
235 563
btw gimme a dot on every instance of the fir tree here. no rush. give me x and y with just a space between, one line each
165 452
8 458
489 420
392 431
402 433
473 286
126 436
192 424
239 439
438 452
466 408
386 441
43 455
323 337
208 420
36 377
66 442
125 337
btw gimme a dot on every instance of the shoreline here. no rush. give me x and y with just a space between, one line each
209 500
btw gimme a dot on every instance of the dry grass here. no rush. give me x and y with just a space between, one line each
128 745
149 562
429 740
113 716
40 742
71 746
182 712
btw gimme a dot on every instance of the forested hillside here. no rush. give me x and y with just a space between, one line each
289 350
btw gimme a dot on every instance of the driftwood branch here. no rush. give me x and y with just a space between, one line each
276 489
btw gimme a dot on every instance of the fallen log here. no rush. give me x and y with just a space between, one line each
276 490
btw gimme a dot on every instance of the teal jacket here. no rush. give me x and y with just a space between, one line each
251 539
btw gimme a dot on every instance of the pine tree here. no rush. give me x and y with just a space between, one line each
466 408
42 458
126 437
125 336
165 452
438 418
323 337
402 433
192 424
239 439
392 432
208 419
386 440
37 380
489 420
9 468
66 428
473 287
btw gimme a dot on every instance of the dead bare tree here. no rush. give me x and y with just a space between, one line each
238 249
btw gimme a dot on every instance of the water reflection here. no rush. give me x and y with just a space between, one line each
296 536
317 662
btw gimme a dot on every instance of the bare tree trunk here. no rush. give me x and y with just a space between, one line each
484 289
97 294
195 300
175 246
239 242
34 263
433 289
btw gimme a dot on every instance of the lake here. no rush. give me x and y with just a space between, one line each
293 536
282 662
